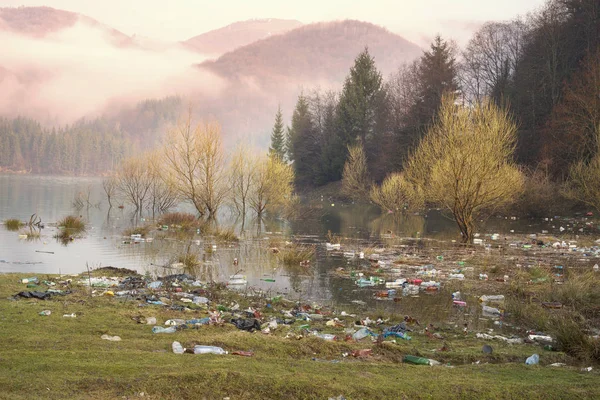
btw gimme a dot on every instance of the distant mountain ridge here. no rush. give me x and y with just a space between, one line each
323 50
38 22
242 90
238 34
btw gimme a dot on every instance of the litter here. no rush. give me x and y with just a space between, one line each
111 338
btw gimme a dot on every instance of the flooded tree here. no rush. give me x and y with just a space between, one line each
465 162
109 184
133 181
162 193
195 164
241 178
272 185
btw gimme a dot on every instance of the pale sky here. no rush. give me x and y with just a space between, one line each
172 20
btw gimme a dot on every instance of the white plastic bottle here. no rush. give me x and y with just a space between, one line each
199 349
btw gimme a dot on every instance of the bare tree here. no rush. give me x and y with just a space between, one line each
490 60
163 194
403 90
464 163
195 164
109 184
134 181
241 178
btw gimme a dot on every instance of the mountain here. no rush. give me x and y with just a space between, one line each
39 22
238 34
322 51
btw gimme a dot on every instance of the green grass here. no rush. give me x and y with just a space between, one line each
55 357
12 224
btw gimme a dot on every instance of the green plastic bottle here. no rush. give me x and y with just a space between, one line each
416 360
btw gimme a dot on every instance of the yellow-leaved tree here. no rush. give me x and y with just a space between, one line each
465 164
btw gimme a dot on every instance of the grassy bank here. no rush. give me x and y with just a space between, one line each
58 357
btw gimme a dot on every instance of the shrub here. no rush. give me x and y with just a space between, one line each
72 223
13 224
395 194
138 230
225 234
294 254
178 218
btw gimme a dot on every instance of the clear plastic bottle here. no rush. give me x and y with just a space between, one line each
178 348
199 349
361 334
325 336
160 329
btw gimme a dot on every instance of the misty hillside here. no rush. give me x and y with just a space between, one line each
322 51
38 22
238 34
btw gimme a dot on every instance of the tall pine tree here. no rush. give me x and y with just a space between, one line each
278 145
304 150
437 74
359 114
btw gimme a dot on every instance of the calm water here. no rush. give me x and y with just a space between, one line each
51 198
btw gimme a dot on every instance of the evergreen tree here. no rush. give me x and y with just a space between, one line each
304 151
278 145
437 74
359 113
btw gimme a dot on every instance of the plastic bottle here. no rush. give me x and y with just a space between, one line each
491 311
497 298
325 336
533 360
416 360
33 279
178 348
198 321
175 322
160 329
401 335
361 334
199 349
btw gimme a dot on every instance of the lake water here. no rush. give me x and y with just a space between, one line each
51 198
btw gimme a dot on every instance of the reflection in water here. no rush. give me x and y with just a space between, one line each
104 243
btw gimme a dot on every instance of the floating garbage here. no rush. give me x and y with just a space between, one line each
332 246
237 280
395 284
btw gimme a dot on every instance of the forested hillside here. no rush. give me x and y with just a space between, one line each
544 68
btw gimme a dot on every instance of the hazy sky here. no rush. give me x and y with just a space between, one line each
417 20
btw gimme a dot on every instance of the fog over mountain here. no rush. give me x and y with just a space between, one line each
58 66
